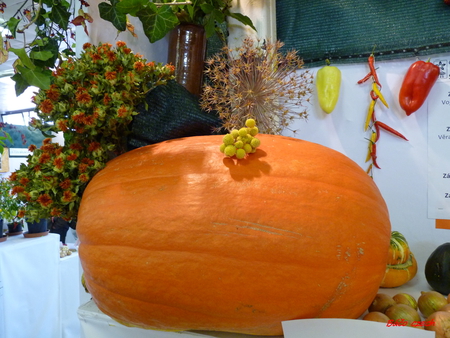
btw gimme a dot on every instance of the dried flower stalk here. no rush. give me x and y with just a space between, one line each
257 81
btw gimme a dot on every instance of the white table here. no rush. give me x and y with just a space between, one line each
39 292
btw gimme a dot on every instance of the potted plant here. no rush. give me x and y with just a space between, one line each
189 23
9 208
159 17
91 101
53 25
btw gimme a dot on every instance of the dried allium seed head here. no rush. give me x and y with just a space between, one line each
257 81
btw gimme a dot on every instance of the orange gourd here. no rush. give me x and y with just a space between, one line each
398 249
399 274
401 264
175 236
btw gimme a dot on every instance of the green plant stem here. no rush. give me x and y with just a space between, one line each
36 16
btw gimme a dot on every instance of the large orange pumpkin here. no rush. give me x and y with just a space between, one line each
176 237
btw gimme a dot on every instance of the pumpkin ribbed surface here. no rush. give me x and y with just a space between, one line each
176 237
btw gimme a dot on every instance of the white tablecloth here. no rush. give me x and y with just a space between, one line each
39 292
95 324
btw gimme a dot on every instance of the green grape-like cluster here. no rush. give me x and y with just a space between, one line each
241 142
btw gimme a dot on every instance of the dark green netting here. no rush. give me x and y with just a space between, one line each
347 31
171 112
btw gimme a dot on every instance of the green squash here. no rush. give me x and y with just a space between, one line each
437 269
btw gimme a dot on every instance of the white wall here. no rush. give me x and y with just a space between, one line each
402 178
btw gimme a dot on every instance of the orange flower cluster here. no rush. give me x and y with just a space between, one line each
92 100
52 177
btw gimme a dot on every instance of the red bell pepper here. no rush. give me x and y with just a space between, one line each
416 86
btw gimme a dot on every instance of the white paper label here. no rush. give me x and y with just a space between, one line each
439 145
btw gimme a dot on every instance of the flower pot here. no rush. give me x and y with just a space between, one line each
36 229
187 47
60 226
15 228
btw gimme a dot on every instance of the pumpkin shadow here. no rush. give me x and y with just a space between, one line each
248 168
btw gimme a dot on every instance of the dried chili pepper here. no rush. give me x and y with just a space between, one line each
370 112
377 130
373 70
377 93
374 155
379 124
373 96
365 78
419 79
372 141
328 84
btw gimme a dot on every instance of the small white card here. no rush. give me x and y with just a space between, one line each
349 328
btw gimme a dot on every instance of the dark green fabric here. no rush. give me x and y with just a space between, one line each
347 31
171 112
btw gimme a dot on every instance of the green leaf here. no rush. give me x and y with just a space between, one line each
37 77
41 55
60 15
131 6
21 84
12 25
242 19
210 26
23 56
207 8
157 22
111 14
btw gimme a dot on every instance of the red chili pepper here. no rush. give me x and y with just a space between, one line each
417 84
371 60
377 130
374 155
389 129
373 95
365 78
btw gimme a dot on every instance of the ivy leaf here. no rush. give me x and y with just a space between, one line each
60 15
131 6
37 77
244 19
21 84
207 8
41 55
23 56
12 25
157 22
210 26
113 15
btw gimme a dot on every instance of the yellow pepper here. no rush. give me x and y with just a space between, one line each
369 114
328 85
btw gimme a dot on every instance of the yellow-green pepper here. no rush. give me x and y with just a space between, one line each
328 85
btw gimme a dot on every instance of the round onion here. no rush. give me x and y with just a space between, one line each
381 302
403 314
376 316
407 299
431 301
439 322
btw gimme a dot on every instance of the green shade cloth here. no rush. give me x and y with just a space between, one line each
348 31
